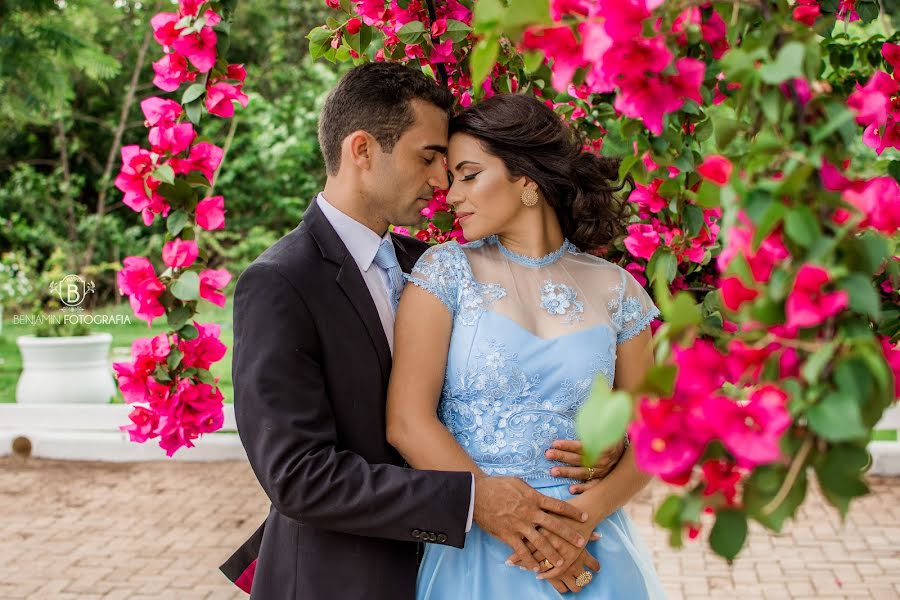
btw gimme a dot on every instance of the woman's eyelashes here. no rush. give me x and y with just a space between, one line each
451 178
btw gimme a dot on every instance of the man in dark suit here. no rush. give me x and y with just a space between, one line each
313 337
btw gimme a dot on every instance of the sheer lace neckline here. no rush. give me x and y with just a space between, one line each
529 261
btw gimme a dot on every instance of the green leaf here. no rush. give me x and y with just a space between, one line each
788 64
193 92
161 374
443 220
801 226
660 379
668 514
761 488
187 286
360 41
729 533
188 332
868 10
817 361
535 58
663 265
174 358
602 420
488 15
457 30
175 222
682 312
692 217
164 173
482 59
863 297
726 131
194 111
412 33
837 417
709 194
178 316
526 12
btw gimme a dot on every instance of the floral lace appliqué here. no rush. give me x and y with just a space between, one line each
560 299
497 414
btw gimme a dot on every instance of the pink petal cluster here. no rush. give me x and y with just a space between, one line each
205 349
139 282
762 261
713 28
877 104
179 253
892 356
808 304
212 281
616 56
204 157
670 434
715 168
139 186
211 213
221 96
877 199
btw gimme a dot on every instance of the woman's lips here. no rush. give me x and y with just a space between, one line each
461 216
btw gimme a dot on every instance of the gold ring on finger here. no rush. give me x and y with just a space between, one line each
590 473
546 564
584 579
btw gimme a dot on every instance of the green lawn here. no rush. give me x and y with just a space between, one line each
123 335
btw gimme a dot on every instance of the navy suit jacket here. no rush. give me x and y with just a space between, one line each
310 370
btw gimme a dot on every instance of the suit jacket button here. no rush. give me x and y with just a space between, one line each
441 538
416 533
432 537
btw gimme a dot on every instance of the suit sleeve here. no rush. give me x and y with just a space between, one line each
286 425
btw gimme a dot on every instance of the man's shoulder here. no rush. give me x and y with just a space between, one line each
414 246
295 253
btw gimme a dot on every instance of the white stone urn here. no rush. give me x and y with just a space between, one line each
63 370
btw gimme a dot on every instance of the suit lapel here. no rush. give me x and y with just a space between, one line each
351 281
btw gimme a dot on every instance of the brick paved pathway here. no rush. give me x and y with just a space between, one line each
158 531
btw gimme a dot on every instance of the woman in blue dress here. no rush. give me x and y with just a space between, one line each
499 341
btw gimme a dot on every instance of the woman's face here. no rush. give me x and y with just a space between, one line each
481 194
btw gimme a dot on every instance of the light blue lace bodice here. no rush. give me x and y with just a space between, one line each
529 338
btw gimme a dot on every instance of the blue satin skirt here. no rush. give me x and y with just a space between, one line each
478 571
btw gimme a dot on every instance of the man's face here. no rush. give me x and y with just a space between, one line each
401 183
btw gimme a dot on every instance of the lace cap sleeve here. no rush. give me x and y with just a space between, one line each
439 271
634 310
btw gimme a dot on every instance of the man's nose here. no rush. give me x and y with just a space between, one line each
438 177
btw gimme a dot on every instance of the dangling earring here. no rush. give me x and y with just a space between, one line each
529 197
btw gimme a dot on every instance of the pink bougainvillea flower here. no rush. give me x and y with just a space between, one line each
560 43
647 196
202 351
637 271
560 8
171 71
139 282
211 282
752 431
211 213
189 7
204 157
662 439
442 53
808 304
199 48
138 185
372 11
763 260
735 293
872 102
891 53
716 169
624 18
179 253
713 29
163 25
892 356
642 240
160 112
879 200
806 11
220 98
144 423
173 140
722 476
651 97
702 369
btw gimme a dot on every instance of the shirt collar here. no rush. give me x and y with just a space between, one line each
361 242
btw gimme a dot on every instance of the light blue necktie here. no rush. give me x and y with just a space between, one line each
386 258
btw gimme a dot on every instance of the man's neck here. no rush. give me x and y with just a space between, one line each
351 203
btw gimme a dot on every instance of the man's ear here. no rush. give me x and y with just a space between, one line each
360 146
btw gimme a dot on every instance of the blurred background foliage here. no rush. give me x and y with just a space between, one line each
72 76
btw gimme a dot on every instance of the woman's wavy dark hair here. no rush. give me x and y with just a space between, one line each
532 141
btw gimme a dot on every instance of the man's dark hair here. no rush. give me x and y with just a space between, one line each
375 97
